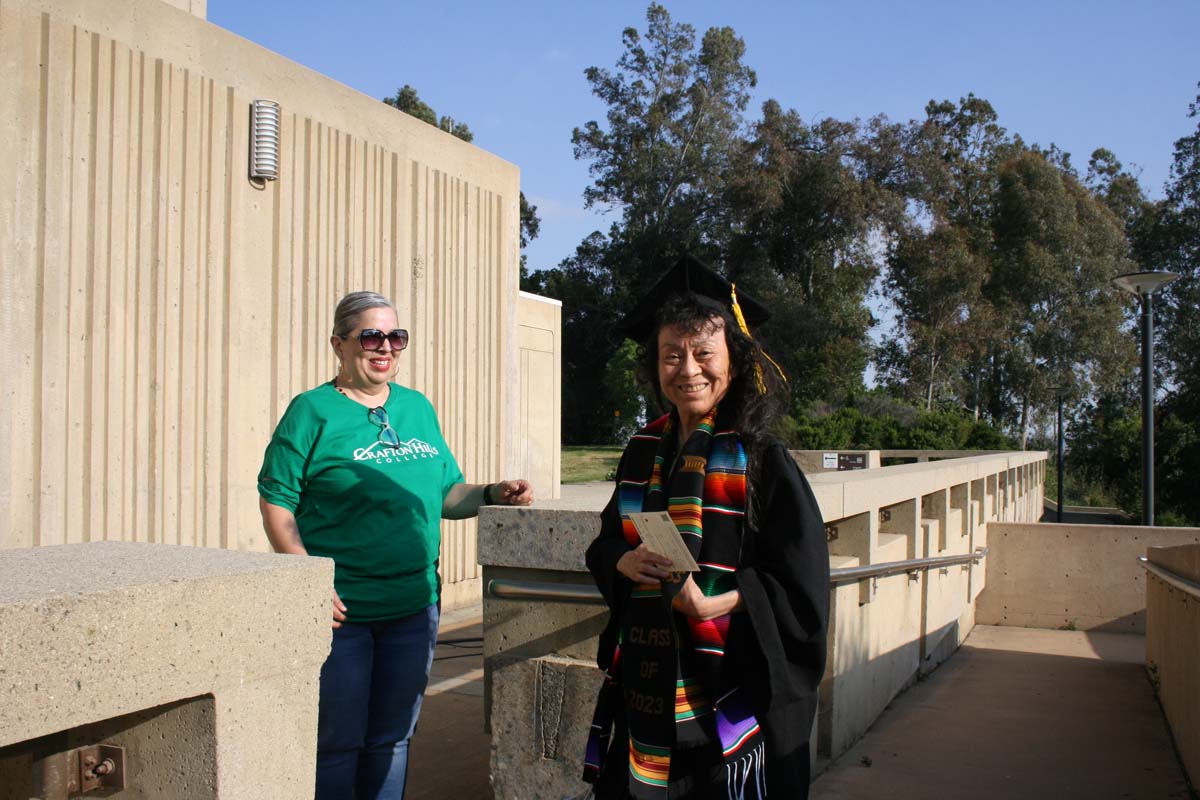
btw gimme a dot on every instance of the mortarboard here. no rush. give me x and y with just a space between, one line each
689 274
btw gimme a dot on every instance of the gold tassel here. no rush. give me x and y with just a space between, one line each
741 321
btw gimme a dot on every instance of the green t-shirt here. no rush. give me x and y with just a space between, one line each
375 510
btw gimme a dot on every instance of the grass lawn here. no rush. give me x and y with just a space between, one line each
590 463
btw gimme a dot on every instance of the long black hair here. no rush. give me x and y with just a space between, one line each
743 408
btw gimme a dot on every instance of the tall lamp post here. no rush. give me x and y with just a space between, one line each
1144 285
1060 392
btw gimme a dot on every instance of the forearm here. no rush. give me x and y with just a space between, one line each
463 500
721 604
282 531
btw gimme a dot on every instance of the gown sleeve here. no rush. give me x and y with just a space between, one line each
784 582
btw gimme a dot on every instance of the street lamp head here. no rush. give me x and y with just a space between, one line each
1140 283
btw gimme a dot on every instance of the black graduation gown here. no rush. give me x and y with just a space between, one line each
777 644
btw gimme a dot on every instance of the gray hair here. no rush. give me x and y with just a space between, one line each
354 304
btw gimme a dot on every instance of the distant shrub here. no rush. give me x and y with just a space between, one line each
879 423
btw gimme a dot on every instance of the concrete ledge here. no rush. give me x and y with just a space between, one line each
92 632
551 536
1172 645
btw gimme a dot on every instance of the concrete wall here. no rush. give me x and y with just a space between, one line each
184 656
197 8
1173 647
540 672
1076 577
539 436
814 462
159 309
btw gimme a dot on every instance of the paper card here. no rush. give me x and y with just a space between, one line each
662 537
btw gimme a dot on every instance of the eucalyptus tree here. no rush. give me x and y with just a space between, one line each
806 217
939 254
662 155
1057 248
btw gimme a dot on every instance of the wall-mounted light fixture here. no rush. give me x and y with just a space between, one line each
264 140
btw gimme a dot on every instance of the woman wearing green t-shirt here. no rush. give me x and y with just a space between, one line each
357 471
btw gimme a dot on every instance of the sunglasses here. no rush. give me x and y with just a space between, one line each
388 435
372 339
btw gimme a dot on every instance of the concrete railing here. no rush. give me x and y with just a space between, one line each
1173 642
540 642
199 665
815 462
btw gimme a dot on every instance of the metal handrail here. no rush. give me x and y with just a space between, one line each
582 593
847 574
541 590
1178 581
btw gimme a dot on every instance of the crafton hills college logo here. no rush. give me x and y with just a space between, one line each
411 450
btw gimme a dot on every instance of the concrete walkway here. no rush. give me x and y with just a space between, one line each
1019 713
1016 713
449 757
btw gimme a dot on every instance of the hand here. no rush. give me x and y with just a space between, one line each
512 493
339 610
643 566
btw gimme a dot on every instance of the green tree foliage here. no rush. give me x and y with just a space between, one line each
674 114
783 208
1000 269
893 427
804 219
406 100
592 392
936 281
1057 247
947 174
1172 242
1105 446
662 158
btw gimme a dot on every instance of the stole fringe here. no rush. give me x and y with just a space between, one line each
746 778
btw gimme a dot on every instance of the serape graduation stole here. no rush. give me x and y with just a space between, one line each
670 683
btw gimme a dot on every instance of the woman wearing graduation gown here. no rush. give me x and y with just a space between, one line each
711 677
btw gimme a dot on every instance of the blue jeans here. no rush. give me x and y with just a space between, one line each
372 685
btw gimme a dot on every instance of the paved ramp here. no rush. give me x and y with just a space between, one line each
1019 713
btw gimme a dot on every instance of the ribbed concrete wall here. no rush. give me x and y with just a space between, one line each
158 310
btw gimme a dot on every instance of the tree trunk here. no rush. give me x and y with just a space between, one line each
1024 421
929 388
978 369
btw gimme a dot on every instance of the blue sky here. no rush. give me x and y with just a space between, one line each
1081 75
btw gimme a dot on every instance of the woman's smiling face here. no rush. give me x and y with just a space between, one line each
368 368
693 369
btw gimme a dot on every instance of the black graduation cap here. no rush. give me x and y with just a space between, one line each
689 274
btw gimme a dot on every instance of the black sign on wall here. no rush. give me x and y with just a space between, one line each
852 461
